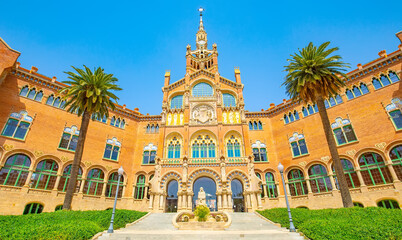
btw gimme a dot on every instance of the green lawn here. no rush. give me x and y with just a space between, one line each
344 223
63 224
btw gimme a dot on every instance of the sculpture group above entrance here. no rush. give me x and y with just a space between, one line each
203 114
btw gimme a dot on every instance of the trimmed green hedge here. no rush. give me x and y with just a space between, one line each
343 223
63 224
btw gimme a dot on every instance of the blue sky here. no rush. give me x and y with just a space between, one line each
138 40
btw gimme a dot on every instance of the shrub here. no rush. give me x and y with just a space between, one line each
343 223
202 212
63 224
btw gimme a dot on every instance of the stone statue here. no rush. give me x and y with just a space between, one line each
201 197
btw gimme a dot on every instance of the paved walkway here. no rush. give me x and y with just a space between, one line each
157 226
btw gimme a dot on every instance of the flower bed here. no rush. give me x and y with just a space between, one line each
63 224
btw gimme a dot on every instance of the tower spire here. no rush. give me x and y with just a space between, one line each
201 27
201 36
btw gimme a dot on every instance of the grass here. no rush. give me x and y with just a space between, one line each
343 223
63 224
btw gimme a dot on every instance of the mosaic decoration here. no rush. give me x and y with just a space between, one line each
22 115
174 119
395 104
203 172
231 117
339 122
296 137
238 174
114 141
170 175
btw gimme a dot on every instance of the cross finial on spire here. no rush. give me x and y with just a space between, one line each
201 10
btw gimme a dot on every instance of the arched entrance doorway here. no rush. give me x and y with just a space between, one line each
209 187
171 197
237 195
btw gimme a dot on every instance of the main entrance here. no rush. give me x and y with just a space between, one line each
171 197
237 195
209 187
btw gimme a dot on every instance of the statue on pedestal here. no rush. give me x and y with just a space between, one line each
201 197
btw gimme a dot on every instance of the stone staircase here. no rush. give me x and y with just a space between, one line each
157 226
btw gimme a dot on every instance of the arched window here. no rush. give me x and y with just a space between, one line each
357 204
286 119
15 170
395 113
305 112
50 100
157 128
117 124
393 77
32 93
112 149
202 90
384 80
149 154
233 147
376 83
343 131
94 183
122 124
57 102
255 125
357 91
17 125
259 152
45 175
330 102
203 147
111 186
113 121
373 169
270 185
69 139
228 100
396 156
351 176
298 145
259 125
39 96
148 128
250 125
319 180
297 184
24 91
65 179
33 208
176 102
140 187
388 203
291 117
174 148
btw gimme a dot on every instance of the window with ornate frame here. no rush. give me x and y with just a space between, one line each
152 128
255 125
259 152
388 203
15 171
272 191
309 110
140 187
65 179
173 148
112 149
351 176
394 111
33 208
149 154
343 131
117 122
176 102
357 91
291 117
99 118
17 125
333 101
298 145
228 100
202 90
94 182
31 93
69 139
396 157
56 102
45 175
319 180
203 147
385 80
233 147
297 183
373 169
111 186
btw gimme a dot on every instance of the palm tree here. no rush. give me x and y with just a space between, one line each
313 75
88 94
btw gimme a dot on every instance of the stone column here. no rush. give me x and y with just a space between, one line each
28 178
151 201
259 201
161 201
264 188
184 202
219 202
359 175
253 200
145 192
332 179
82 185
104 188
288 188
308 185
393 173
178 202
230 202
278 189
189 202
248 201
56 184
225 201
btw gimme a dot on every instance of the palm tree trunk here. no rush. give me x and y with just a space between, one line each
72 184
340 175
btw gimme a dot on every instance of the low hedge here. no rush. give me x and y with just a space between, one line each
63 224
343 223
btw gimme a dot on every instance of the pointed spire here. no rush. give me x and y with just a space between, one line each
201 27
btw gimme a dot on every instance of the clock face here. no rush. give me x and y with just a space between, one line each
202 42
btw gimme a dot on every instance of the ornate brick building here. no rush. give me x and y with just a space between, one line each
204 137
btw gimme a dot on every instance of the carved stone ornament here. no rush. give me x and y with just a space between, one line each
64 158
108 168
351 152
325 159
380 146
8 147
203 114
87 163
303 164
38 153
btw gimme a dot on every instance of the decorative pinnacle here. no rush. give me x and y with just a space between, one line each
201 10
201 27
